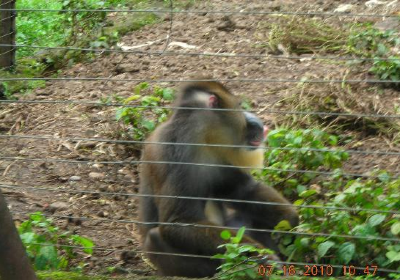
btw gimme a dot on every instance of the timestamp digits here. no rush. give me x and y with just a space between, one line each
290 270
316 270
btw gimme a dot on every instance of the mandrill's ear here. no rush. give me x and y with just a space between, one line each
206 99
212 101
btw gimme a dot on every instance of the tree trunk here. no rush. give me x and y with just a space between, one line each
7 34
14 263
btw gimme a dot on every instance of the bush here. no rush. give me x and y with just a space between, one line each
299 150
379 194
369 42
139 120
237 261
46 246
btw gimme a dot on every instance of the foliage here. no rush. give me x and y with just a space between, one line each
26 68
299 150
387 69
46 246
369 42
54 29
141 120
381 193
89 30
38 28
238 263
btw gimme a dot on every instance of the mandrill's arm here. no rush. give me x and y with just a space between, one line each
196 240
246 188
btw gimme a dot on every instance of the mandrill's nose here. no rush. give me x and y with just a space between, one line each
256 130
253 121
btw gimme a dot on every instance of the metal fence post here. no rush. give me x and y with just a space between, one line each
7 33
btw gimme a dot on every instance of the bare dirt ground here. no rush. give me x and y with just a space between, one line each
108 216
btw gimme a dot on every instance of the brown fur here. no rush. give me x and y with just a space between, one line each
203 127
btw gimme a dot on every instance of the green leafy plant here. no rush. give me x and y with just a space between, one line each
54 29
44 28
387 69
299 150
46 246
369 42
67 28
381 194
142 120
239 258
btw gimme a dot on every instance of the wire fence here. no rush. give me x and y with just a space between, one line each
201 54
195 225
231 12
116 141
265 111
130 162
228 55
241 80
335 208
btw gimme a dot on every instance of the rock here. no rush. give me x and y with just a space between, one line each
373 3
129 257
102 214
75 178
226 24
58 205
86 145
127 67
344 8
96 175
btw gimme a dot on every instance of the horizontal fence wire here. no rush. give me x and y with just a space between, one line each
282 112
242 80
206 54
204 12
78 139
123 162
178 224
333 208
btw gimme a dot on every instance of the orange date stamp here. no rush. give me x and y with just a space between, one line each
316 270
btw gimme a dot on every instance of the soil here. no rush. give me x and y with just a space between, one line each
108 216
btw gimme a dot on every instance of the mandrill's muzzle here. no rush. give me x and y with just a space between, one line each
256 130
